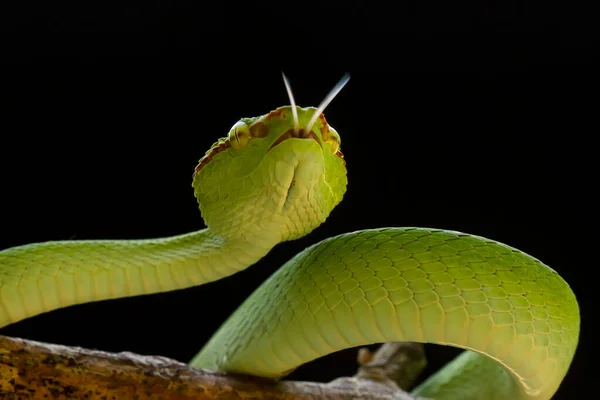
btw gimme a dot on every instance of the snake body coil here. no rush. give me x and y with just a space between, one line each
276 178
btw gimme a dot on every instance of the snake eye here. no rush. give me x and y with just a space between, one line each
333 140
239 135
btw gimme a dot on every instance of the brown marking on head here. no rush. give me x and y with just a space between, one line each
215 149
322 118
259 129
314 137
300 135
325 131
341 155
324 126
274 114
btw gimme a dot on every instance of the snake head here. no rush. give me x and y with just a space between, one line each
275 176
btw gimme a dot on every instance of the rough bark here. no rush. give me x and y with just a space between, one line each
34 370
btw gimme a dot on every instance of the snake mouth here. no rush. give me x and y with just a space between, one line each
290 134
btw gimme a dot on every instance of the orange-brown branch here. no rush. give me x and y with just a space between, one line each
34 370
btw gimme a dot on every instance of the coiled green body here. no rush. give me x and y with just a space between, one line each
411 284
517 317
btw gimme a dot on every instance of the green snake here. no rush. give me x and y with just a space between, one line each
276 178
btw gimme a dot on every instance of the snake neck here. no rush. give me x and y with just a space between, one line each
41 277
206 256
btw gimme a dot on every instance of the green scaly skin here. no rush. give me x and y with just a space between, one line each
518 317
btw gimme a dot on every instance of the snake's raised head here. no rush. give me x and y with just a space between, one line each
276 176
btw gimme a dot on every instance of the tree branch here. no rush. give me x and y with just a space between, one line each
34 370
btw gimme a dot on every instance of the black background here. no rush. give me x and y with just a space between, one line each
474 117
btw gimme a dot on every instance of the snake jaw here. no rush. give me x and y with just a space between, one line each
290 134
